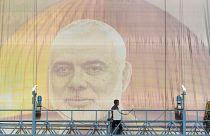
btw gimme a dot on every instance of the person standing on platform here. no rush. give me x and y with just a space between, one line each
207 117
116 118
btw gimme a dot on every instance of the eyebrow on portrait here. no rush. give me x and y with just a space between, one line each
59 63
95 62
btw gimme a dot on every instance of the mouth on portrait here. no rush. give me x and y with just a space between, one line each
78 102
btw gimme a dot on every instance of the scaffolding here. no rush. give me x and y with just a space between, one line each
98 122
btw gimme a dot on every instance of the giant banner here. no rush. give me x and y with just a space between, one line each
83 54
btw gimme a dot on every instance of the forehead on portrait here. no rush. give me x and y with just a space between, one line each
95 33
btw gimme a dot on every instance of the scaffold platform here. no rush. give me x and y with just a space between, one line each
98 122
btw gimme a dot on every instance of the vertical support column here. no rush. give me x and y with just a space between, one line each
109 119
183 111
34 111
184 117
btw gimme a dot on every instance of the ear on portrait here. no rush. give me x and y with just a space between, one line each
126 77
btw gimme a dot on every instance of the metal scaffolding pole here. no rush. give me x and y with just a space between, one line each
34 94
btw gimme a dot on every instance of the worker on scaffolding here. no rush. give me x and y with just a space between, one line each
207 117
116 118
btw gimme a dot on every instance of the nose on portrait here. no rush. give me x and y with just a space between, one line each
77 83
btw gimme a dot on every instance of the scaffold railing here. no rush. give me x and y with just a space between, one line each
98 122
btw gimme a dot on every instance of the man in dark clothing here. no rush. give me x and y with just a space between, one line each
207 117
116 121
